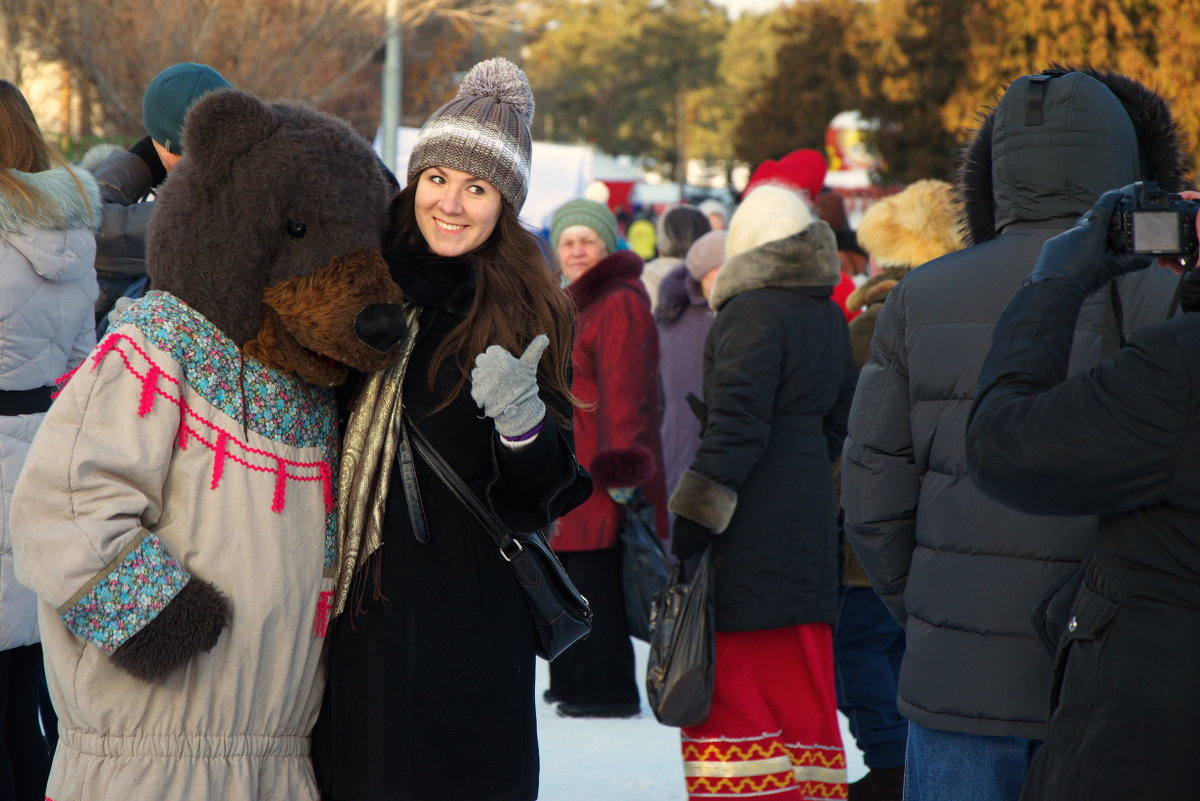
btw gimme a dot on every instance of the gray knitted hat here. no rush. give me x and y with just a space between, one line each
484 130
582 211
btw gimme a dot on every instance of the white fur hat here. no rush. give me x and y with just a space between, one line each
768 213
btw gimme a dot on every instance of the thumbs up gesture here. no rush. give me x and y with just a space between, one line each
505 388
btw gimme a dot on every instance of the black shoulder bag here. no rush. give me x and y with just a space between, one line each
561 615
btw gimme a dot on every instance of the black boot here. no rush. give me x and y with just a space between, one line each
886 784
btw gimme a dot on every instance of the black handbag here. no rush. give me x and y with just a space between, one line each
643 565
680 671
561 615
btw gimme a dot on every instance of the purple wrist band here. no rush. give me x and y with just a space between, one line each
528 435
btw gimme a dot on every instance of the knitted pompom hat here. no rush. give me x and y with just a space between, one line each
913 226
483 131
768 213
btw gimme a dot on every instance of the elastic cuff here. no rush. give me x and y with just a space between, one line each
522 440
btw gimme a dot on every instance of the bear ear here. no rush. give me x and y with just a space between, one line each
224 124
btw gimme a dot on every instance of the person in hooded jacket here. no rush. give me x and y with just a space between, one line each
683 318
778 379
900 232
1122 441
615 362
49 215
959 571
677 229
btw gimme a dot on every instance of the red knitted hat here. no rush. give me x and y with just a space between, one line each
800 169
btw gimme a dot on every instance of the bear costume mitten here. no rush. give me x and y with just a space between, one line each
506 388
190 624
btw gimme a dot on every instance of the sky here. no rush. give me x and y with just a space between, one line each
736 7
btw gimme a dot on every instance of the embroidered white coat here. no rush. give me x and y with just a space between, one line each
141 477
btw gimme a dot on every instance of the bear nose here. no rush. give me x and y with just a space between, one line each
380 325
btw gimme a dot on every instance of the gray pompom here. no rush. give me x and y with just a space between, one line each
503 80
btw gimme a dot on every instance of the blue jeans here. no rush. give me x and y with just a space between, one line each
951 766
867 649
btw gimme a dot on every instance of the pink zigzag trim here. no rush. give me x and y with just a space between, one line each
150 390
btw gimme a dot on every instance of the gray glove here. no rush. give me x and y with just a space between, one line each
506 387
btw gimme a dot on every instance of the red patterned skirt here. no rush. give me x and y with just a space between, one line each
773 730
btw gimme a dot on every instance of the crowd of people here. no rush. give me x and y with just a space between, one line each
903 445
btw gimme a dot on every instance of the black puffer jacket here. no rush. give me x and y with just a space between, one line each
778 380
1122 440
958 569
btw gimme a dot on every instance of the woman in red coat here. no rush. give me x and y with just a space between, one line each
615 363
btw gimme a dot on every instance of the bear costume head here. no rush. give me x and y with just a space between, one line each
271 228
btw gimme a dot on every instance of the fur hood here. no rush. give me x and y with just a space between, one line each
1095 131
875 290
624 266
676 294
60 189
806 259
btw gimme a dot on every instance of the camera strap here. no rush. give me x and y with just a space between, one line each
1187 290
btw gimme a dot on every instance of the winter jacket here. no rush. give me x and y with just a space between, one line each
778 381
443 642
47 288
615 363
169 456
683 318
960 571
125 182
1121 441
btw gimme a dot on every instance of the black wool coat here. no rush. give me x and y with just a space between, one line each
1121 441
778 381
430 689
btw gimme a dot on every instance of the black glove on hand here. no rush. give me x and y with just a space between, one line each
144 149
689 538
1080 257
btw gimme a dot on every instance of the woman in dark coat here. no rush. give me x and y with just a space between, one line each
615 362
778 381
437 640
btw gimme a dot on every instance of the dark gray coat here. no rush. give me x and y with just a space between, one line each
778 379
960 571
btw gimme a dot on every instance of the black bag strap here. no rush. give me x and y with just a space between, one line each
412 491
509 547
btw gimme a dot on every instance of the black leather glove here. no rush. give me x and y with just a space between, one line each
144 149
1080 257
689 538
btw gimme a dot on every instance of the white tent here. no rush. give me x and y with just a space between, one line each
559 173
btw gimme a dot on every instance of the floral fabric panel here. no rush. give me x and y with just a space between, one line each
130 596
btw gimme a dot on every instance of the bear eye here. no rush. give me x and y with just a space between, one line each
296 229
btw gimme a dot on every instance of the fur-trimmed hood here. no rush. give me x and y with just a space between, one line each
875 289
1092 131
624 266
806 259
58 187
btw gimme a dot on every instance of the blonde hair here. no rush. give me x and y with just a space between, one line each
23 148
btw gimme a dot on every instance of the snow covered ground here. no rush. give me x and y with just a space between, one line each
621 760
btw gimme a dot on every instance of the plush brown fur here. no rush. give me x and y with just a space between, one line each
268 196
187 626
704 501
308 322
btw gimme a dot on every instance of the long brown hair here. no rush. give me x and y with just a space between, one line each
23 148
517 297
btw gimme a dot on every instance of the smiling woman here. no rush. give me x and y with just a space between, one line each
437 640
456 211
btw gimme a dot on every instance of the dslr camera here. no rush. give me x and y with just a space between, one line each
1153 221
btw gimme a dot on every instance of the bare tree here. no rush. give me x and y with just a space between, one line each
324 52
